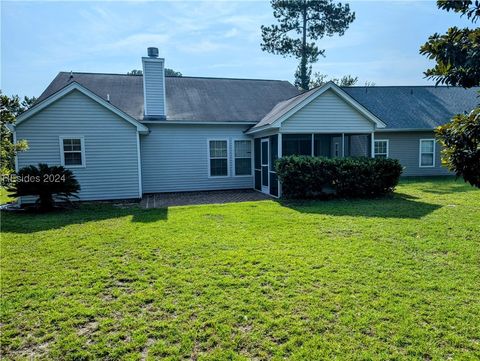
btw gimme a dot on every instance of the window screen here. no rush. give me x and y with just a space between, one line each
297 144
381 149
218 158
72 152
427 153
243 157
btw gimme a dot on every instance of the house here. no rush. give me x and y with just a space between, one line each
124 136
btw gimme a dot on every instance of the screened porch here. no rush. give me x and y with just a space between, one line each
327 145
268 149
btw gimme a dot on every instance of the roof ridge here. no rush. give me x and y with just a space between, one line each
100 73
404 86
172 76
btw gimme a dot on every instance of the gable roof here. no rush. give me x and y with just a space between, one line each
45 102
287 108
415 107
262 102
189 99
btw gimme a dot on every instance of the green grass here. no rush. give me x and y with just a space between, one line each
368 279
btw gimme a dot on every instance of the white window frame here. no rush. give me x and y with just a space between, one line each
420 153
234 157
82 150
387 154
209 158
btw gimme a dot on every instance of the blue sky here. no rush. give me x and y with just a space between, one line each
199 38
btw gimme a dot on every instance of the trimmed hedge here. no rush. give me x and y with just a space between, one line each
305 177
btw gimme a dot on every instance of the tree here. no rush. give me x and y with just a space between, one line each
11 107
47 183
300 24
171 72
168 72
457 53
460 139
318 79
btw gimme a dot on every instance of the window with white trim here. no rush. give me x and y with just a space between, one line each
427 152
72 150
243 157
380 148
218 154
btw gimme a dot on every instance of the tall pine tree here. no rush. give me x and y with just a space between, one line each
300 24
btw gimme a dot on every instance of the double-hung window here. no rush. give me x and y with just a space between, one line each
218 158
381 148
72 151
427 152
243 157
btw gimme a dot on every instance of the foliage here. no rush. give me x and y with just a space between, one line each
319 79
4 197
171 72
300 25
465 7
49 184
386 279
457 53
168 72
11 107
135 72
460 139
316 177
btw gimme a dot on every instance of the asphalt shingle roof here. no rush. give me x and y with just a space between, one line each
249 100
188 98
415 107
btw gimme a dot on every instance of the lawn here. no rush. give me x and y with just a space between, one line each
379 279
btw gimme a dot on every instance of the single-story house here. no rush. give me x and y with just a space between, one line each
127 135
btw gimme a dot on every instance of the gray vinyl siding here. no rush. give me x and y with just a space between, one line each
175 158
405 146
153 78
328 113
111 170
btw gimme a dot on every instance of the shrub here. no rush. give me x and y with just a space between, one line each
49 184
317 177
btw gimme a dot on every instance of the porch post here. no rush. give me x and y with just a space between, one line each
372 145
343 145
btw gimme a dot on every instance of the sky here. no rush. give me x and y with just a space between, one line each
206 38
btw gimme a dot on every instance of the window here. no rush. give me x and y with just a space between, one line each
381 149
427 152
72 151
243 157
218 162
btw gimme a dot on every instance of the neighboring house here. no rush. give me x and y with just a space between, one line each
125 135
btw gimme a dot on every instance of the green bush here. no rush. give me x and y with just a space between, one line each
48 184
316 177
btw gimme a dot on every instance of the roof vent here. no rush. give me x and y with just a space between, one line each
152 52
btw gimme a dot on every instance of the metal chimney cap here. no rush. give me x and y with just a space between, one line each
152 52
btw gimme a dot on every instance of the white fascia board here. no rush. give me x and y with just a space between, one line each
76 86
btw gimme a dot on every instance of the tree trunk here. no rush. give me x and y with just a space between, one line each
304 80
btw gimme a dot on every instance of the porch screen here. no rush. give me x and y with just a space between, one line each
257 164
297 144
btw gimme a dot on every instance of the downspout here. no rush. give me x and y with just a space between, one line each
139 160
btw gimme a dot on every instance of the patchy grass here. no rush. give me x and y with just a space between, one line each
366 279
